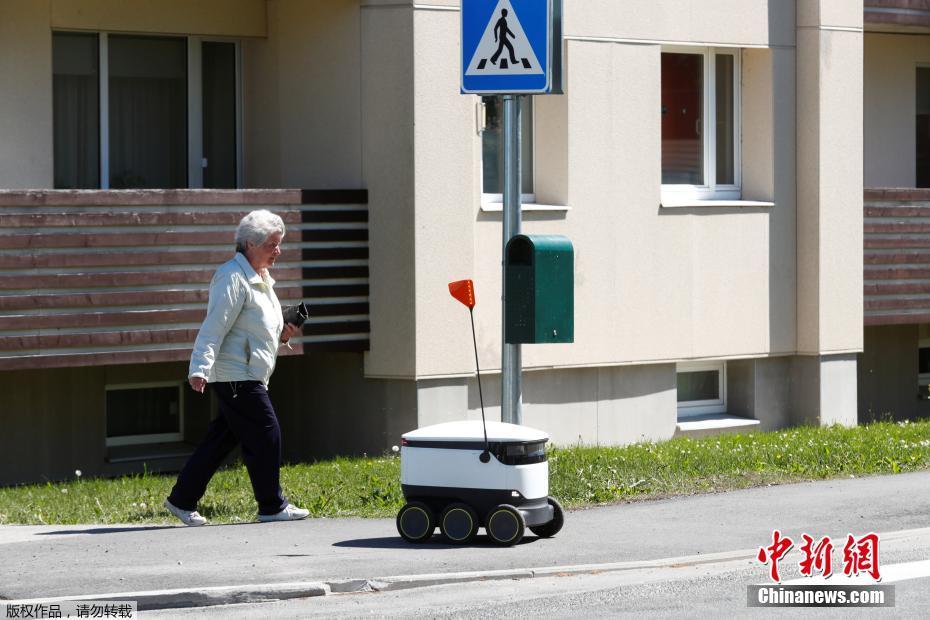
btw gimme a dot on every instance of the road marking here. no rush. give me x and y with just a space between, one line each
890 573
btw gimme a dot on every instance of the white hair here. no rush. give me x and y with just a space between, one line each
256 227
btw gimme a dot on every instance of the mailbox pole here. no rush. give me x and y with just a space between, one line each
511 364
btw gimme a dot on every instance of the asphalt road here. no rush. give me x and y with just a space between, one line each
711 531
708 591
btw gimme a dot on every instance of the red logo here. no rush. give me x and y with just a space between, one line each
817 557
860 555
774 552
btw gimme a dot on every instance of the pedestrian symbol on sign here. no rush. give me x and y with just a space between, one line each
504 31
500 33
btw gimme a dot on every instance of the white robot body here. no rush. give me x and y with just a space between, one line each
455 469
447 455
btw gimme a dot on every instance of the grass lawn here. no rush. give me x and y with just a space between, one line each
579 476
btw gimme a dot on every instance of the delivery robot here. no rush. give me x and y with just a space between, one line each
462 476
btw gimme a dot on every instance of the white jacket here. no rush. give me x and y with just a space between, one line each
239 338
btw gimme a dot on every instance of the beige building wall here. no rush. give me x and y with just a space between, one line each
830 185
302 97
696 22
225 18
890 81
444 225
26 95
388 138
652 285
830 217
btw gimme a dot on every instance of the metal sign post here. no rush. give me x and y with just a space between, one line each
511 48
511 363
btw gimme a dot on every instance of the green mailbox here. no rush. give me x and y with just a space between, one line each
539 289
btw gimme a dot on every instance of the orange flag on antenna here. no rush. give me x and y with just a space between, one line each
464 291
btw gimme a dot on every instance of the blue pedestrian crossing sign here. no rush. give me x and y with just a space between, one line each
511 46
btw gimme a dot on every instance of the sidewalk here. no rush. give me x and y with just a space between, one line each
227 563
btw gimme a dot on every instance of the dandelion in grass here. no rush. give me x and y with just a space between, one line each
77 472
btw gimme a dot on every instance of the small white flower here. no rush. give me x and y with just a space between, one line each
77 472
64 490
395 449
143 506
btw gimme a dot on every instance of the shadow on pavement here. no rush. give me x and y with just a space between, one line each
436 542
108 530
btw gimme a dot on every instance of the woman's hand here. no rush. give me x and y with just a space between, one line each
289 331
198 384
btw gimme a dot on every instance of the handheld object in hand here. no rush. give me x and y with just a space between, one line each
296 315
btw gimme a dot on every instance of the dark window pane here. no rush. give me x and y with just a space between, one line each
725 119
148 112
492 146
923 127
76 110
700 385
923 360
219 114
143 411
682 119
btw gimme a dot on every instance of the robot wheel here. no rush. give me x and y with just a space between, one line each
505 525
459 523
416 522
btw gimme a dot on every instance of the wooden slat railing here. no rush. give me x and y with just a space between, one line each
116 277
891 15
897 256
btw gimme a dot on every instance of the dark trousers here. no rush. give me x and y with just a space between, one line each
246 417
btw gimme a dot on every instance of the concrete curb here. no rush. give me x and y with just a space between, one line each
259 593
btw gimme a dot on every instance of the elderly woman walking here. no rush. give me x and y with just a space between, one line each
235 353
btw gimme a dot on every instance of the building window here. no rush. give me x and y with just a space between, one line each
922 125
923 368
144 413
147 112
700 124
492 150
702 388
152 112
76 110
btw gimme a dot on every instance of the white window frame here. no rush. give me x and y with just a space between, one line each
498 199
195 159
134 440
194 105
710 190
703 407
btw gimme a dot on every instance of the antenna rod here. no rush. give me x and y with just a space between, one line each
486 455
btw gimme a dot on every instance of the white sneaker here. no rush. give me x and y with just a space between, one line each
187 517
290 513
